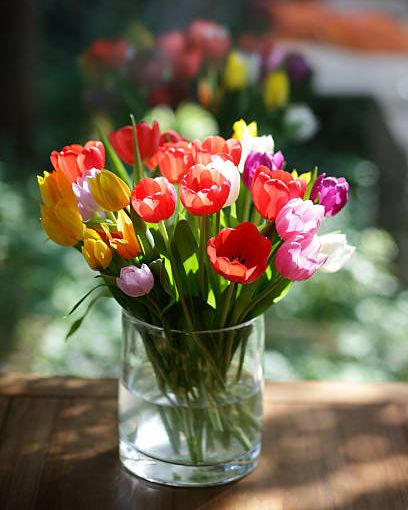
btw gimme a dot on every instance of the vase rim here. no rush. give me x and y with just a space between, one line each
132 318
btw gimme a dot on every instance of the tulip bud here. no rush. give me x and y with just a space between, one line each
109 191
95 251
134 281
54 187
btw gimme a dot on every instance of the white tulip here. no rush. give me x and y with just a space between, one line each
231 173
335 246
254 144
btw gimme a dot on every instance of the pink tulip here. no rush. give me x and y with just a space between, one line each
134 281
298 217
299 257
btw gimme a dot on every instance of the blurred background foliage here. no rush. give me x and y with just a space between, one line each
348 325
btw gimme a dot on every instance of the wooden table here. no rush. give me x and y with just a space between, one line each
326 446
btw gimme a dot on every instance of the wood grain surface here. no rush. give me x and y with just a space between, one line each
326 446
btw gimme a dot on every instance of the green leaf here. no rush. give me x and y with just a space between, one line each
183 241
77 324
138 170
311 184
84 297
277 292
159 271
118 167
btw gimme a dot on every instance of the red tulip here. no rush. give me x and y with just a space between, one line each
211 38
229 149
75 160
203 190
272 189
154 200
171 44
239 254
107 53
188 64
174 159
148 138
171 136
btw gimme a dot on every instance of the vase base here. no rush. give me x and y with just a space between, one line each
182 475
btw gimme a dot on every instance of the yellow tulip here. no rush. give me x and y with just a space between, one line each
62 223
109 191
235 72
54 187
241 128
276 91
95 251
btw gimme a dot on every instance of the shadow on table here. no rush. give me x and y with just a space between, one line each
315 457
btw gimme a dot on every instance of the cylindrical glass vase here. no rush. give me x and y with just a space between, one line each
190 404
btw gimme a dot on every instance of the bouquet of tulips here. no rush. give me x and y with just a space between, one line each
201 235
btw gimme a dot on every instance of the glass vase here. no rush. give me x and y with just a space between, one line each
190 404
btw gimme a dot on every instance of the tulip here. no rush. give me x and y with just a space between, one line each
171 44
217 145
298 217
236 72
332 193
154 200
256 159
212 39
299 257
125 241
62 223
239 254
272 189
107 53
251 143
54 187
95 251
204 190
276 89
231 174
134 281
297 66
241 128
148 139
86 202
109 191
338 251
75 160
188 64
174 159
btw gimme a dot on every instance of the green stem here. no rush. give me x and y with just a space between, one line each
117 165
202 255
227 303
247 206
217 222
163 231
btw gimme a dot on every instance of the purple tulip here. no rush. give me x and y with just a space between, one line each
134 281
333 193
86 203
257 159
297 66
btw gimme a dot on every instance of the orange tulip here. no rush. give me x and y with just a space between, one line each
127 245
